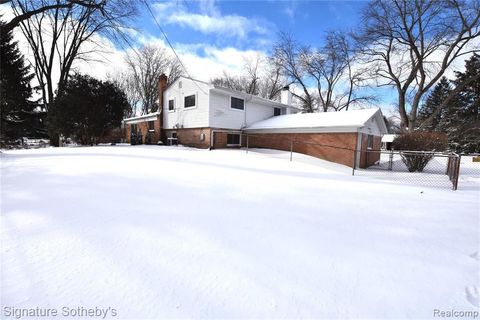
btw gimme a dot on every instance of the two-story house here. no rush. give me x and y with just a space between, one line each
200 114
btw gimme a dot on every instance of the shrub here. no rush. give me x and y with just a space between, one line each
424 143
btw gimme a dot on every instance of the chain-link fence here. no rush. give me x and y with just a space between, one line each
418 167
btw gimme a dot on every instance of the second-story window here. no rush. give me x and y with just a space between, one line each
237 103
190 101
171 105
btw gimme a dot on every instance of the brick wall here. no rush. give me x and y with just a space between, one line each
335 147
370 157
142 128
190 137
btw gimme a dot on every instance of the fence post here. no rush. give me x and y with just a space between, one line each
354 161
457 172
291 149
390 160
448 167
247 143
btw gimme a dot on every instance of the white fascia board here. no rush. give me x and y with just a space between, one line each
147 117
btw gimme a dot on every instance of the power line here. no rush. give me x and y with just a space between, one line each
170 45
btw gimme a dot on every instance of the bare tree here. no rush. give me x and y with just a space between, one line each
126 82
336 76
259 77
45 6
410 44
146 65
287 54
273 82
59 36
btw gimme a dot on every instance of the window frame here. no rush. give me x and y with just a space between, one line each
236 109
151 125
279 111
174 104
191 107
369 141
235 144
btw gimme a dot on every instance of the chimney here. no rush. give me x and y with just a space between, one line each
162 85
286 98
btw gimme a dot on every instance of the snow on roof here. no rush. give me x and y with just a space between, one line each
389 137
143 117
354 118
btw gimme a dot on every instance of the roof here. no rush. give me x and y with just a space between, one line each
145 117
341 121
389 137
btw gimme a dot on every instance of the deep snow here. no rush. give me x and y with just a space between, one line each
168 232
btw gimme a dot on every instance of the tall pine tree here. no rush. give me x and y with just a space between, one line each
434 100
464 134
18 115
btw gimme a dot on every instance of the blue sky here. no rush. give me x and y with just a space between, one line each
212 36
307 21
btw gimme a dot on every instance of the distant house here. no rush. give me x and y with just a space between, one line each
199 114
387 141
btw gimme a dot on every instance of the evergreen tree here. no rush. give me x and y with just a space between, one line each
86 108
434 100
18 114
464 133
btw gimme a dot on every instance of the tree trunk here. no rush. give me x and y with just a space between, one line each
404 120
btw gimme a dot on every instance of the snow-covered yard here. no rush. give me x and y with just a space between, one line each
168 232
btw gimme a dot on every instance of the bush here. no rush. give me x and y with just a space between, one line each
424 143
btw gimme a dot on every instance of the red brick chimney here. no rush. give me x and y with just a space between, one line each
162 85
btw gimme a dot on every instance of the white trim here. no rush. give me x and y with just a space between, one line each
236 97
146 117
196 101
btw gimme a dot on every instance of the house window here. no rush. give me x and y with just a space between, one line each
233 139
370 142
171 105
151 125
277 112
236 103
133 128
190 101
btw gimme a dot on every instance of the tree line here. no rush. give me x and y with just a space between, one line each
406 45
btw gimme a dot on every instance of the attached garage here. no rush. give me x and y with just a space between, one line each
345 137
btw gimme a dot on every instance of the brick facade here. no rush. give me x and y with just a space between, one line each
143 129
200 137
370 157
335 147
195 137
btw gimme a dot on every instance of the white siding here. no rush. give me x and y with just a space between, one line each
372 127
222 116
196 117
